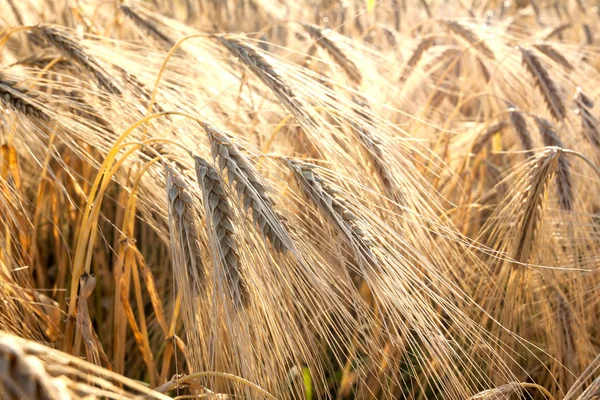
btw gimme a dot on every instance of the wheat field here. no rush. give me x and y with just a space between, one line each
311 199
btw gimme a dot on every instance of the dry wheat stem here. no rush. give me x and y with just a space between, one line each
220 224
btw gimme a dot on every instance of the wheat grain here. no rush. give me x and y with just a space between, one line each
543 82
249 187
425 43
220 223
563 173
541 171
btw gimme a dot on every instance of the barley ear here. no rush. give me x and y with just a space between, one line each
221 229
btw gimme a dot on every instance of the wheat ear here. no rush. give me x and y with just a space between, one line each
589 123
334 51
249 187
221 230
19 99
24 376
183 228
563 173
146 25
542 170
543 82
520 126
471 37
554 55
72 50
333 208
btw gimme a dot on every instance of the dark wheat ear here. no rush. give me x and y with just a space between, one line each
520 126
541 172
221 229
20 99
554 55
563 173
470 36
332 208
146 25
336 53
589 123
249 188
72 50
183 229
543 82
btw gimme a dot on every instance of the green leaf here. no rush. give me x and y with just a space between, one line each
308 386
370 6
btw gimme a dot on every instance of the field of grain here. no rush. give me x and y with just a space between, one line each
299 199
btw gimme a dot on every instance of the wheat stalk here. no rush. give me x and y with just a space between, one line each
72 50
249 188
219 217
563 173
543 82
